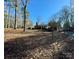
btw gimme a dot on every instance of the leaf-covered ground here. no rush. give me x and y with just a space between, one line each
45 45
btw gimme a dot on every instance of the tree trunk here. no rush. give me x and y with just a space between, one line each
8 25
5 23
6 16
24 18
15 25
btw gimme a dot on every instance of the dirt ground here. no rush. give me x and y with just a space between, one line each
34 44
12 34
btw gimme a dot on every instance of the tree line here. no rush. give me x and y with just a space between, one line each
64 19
15 4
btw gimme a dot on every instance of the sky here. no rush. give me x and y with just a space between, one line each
45 8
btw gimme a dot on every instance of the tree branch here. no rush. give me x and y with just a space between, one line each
22 2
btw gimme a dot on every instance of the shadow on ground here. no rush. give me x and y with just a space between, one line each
18 46
24 46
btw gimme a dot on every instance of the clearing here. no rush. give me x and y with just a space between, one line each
35 44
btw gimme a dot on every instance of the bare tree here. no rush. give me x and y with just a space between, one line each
10 2
8 5
15 25
25 12
5 13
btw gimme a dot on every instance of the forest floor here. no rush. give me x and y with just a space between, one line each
12 34
34 44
